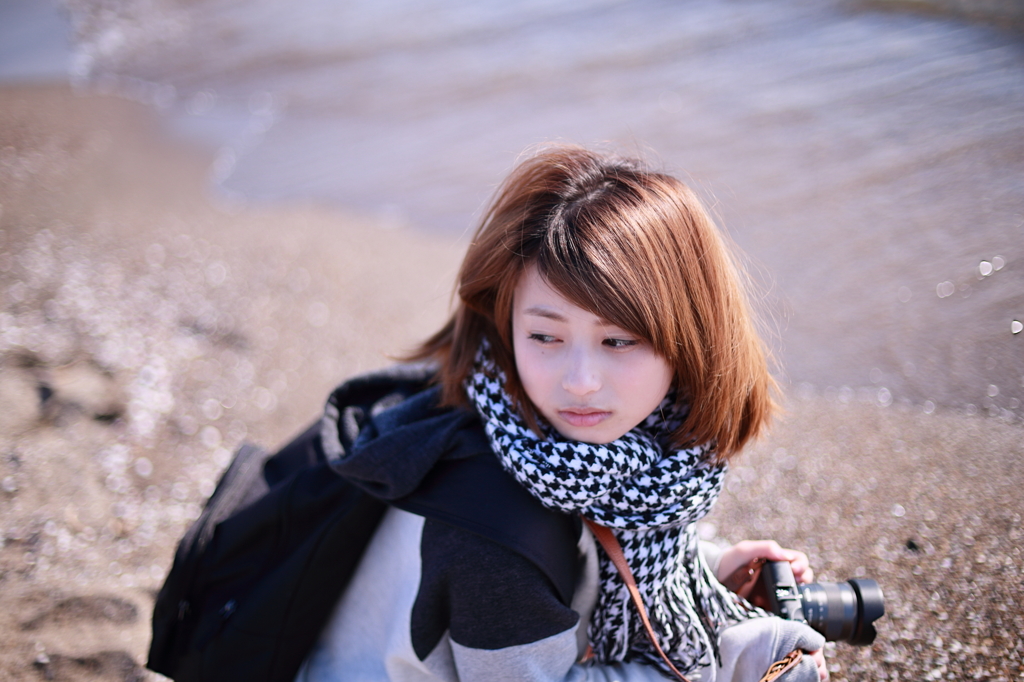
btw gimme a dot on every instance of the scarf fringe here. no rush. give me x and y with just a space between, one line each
688 614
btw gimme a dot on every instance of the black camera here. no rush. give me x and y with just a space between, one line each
842 612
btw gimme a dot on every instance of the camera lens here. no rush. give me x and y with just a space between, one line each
844 612
872 607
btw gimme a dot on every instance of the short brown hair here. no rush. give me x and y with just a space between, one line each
634 247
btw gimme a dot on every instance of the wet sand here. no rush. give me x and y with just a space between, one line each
145 331
1006 13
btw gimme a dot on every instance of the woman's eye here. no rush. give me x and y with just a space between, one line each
542 338
620 343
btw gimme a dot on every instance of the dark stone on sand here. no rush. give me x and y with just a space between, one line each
115 666
84 609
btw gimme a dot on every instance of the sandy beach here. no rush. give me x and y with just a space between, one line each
146 330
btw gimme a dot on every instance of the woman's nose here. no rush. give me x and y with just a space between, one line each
581 376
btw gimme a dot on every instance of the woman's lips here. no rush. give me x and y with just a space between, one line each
583 416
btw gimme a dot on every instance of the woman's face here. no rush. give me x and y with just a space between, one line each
592 381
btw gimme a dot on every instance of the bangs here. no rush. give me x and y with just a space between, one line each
601 259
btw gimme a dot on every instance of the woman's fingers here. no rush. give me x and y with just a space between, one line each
819 660
744 552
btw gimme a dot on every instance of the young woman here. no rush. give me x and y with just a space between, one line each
603 352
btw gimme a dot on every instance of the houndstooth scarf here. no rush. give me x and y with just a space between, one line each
650 500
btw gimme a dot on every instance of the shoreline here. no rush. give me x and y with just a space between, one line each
167 330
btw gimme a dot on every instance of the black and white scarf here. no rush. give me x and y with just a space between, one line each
651 497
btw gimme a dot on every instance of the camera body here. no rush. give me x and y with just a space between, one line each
842 612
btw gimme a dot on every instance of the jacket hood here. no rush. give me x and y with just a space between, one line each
385 431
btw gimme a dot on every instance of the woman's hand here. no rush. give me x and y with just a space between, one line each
819 660
740 565
742 553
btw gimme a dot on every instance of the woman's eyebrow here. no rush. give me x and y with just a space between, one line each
539 311
549 314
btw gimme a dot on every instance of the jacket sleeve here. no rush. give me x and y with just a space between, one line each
502 615
750 647
503 620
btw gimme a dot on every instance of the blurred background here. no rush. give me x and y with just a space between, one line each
212 211
868 160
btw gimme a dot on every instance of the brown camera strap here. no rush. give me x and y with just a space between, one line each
614 551
776 669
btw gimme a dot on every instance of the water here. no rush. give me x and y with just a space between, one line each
870 164
35 41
